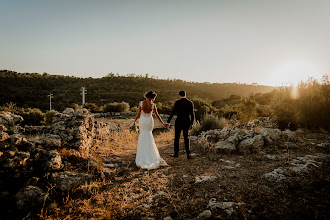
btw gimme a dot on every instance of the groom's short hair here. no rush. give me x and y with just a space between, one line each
182 93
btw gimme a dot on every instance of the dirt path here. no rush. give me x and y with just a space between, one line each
184 189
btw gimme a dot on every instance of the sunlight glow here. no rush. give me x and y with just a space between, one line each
293 72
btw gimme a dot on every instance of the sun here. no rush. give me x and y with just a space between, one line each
292 72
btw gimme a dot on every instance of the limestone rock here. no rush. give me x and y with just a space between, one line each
29 197
276 175
66 181
3 136
251 144
204 215
50 140
289 135
271 135
225 146
53 161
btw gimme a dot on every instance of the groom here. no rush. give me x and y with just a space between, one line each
184 109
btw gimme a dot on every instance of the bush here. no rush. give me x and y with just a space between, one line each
116 107
247 110
134 109
308 108
208 122
32 116
49 117
92 107
202 107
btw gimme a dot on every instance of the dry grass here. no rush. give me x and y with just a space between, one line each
131 193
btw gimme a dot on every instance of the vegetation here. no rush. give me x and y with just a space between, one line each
305 106
208 122
116 107
30 90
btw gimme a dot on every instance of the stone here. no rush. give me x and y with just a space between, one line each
289 135
16 139
276 175
50 140
3 128
20 158
68 111
271 135
107 165
225 146
66 181
3 136
204 178
233 139
29 197
204 215
53 161
251 144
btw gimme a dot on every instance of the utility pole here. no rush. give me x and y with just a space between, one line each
50 101
225 94
83 93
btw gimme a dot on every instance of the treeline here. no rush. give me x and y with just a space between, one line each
30 90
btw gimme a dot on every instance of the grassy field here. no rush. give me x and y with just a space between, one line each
127 192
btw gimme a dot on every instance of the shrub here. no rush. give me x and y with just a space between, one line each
309 108
202 107
247 110
92 107
208 122
116 107
49 117
134 109
32 116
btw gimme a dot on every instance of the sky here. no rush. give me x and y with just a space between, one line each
248 41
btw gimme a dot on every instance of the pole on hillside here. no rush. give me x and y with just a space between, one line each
83 93
50 101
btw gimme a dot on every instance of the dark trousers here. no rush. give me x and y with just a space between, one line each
178 129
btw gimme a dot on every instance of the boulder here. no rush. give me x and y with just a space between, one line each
233 139
53 161
276 175
225 146
66 181
50 140
3 128
68 111
3 136
251 144
16 139
205 215
289 135
29 197
271 135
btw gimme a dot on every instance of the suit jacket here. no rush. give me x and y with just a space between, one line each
184 109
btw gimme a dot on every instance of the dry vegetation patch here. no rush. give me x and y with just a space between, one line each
127 192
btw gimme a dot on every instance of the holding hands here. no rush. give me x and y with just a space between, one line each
166 125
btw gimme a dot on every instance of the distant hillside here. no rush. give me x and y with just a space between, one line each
31 89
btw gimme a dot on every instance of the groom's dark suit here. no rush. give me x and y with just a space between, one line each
184 109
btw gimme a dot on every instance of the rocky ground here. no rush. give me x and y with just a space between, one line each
234 174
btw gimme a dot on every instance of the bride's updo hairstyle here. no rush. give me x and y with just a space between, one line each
150 95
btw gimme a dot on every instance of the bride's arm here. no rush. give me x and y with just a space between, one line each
158 117
137 115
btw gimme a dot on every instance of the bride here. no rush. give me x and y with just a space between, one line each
147 155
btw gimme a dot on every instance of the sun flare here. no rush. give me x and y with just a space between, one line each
293 72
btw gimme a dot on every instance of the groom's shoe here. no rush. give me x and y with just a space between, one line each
175 155
189 156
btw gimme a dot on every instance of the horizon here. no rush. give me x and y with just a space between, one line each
268 43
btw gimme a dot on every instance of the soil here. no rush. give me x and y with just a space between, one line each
133 193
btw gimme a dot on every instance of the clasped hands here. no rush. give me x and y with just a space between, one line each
166 125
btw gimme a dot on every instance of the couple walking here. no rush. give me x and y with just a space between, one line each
147 155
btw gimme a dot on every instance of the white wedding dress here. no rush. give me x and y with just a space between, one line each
147 155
